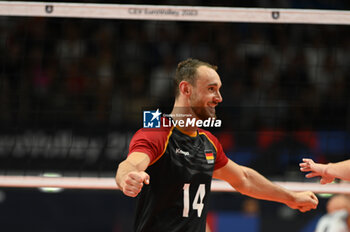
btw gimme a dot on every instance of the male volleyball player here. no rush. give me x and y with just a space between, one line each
174 166
327 172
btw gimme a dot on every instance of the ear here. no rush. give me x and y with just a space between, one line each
185 88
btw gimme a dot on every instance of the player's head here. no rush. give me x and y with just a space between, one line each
199 83
338 202
187 71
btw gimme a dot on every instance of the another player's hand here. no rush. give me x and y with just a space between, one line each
132 183
315 169
304 201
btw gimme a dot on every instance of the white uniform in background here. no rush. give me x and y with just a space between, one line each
334 222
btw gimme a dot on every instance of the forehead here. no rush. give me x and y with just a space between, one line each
206 76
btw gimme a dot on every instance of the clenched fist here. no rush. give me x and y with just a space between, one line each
303 201
132 183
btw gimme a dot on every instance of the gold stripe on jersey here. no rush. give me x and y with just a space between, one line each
203 133
191 134
165 147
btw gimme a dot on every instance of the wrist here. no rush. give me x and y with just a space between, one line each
291 197
326 171
288 198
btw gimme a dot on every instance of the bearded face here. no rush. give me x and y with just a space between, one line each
205 93
201 109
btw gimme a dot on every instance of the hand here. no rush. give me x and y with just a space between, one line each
315 169
304 201
132 183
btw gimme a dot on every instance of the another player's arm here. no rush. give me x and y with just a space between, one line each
249 182
131 173
328 171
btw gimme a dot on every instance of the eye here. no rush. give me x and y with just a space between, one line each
211 89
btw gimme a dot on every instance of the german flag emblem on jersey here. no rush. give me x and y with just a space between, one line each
209 156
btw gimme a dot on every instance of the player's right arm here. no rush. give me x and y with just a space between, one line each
327 172
131 173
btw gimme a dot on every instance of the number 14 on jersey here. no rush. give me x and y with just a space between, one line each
197 201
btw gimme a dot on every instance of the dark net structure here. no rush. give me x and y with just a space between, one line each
72 90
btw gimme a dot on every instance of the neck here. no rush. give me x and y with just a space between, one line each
182 112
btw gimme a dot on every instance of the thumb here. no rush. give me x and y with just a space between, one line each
325 180
312 174
145 177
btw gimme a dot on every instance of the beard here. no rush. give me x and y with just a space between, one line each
203 113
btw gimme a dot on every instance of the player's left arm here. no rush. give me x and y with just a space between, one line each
249 182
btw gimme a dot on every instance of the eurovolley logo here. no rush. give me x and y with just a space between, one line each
152 119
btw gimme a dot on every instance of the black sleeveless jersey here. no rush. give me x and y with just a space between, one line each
180 172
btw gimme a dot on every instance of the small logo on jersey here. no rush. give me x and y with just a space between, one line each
209 156
179 151
151 118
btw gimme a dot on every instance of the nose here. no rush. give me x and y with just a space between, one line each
218 97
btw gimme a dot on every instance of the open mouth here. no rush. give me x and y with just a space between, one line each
212 104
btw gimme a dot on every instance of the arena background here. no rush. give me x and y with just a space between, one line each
72 91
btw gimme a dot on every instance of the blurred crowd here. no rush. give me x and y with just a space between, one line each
85 71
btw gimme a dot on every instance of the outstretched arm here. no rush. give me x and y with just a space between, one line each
249 182
327 172
131 173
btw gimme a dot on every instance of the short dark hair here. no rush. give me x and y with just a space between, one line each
187 70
